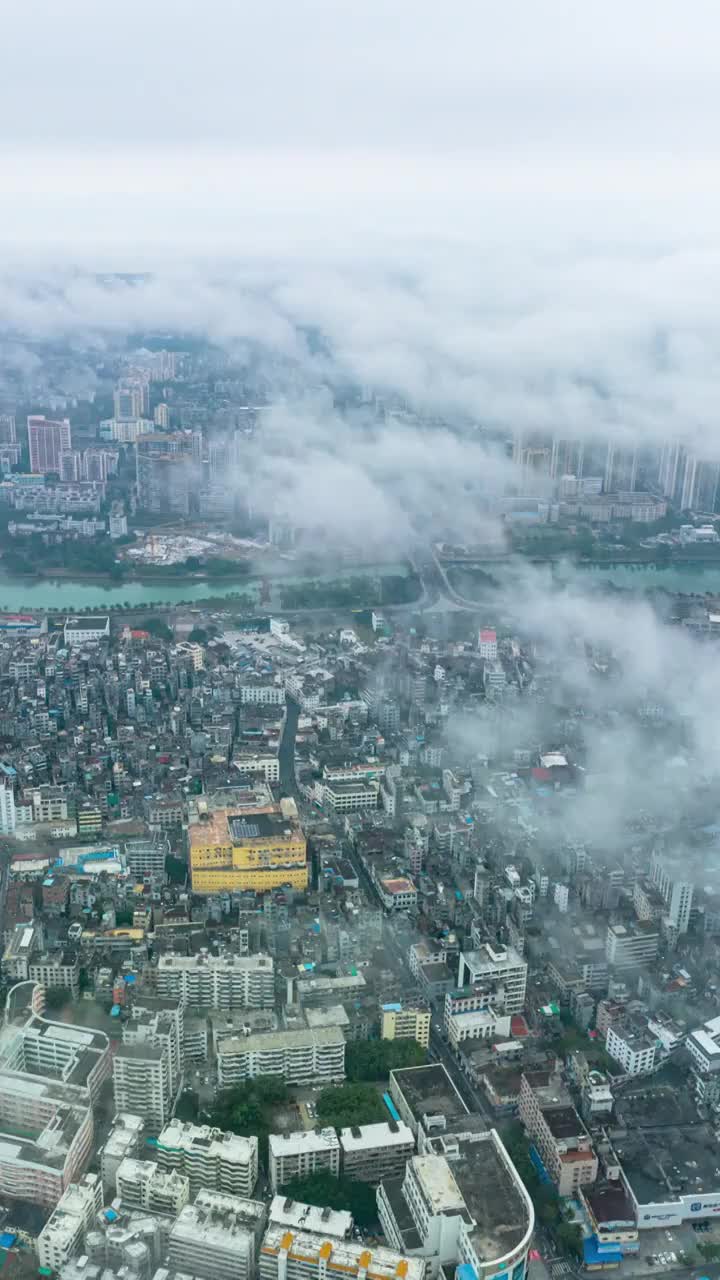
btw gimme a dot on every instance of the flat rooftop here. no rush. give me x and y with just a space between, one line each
225 827
663 1164
264 1043
285 1212
563 1122
493 1196
429 1091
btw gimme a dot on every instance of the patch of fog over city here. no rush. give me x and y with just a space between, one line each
497 220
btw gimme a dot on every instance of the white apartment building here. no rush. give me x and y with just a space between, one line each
480 1024
472 1000
88 630
462 1202
63 1234
703 1045
141 1184
299 1154
39 1168
371 1152
123 1140
634 1048
251 764
7 809
487 644
494 963
286 1254
57 969
209 1158
348 797
265 695
59 1051
298 1057
631 946
217 1237
161 1027
294 1215
218 982
666 873
141 1083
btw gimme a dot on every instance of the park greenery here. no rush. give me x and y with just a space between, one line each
352 592
349 1104
247 1109
328 1192
375 1059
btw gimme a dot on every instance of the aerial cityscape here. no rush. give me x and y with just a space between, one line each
359 642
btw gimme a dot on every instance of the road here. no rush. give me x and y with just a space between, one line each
286 754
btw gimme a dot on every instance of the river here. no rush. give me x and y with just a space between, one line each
686 579
67 595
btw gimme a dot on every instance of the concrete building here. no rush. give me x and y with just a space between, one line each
286 1254
669 874
256 849
46 1135
703 1045
79 631
141 1184
124 1140
493 963
405 1022
159 1022
371 1152
62 1236
337 1224
209 1158
631 946
482 1024
47 439
217 1237
427 1101
298 1057
7 809
632 1046
218 982
141 1083
460 1204
557 1132
57 969
299 1154
59 1051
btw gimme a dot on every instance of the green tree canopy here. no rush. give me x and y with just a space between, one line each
349 1104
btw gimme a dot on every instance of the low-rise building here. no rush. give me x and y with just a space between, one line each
632 1045
302 1153
297 1057
371 1152
406 1022
142 1184
557 1132
208 1157
62 1236
124 1140
217 1237
286 1254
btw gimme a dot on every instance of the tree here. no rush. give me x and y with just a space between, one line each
156 627
328 1192
569 1238
375 1059
198 636
188 1105
349 1104
57 997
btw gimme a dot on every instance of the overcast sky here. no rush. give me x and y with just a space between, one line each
301 122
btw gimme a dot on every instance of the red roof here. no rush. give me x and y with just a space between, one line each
488 636
542 775
518 1026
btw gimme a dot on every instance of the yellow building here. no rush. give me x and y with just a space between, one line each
406 1022
255 849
